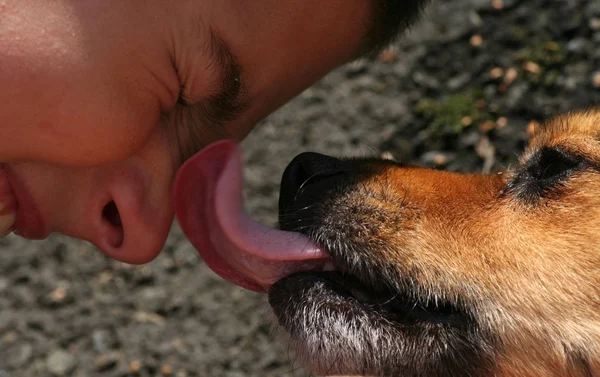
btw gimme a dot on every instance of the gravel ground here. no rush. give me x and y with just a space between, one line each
460 92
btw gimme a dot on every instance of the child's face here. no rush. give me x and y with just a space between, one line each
101 100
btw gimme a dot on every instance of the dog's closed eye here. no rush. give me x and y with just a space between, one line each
544 174
554 164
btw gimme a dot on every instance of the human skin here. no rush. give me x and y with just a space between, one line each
102 100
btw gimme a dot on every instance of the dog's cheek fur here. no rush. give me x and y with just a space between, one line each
530 275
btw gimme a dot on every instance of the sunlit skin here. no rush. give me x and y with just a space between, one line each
102 100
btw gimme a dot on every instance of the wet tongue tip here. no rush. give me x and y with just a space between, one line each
208 203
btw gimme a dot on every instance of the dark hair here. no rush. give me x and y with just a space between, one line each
389 20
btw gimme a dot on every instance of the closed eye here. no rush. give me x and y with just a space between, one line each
553 163
545 173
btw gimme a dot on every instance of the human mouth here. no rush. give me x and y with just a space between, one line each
208 202
21 208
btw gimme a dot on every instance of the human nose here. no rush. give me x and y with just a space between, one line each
131 216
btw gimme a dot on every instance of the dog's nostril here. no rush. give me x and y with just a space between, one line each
307 169
111 213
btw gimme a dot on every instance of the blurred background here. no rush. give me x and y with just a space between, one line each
460 92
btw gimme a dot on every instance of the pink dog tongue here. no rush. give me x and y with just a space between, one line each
208 203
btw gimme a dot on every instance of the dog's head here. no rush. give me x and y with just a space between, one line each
445 274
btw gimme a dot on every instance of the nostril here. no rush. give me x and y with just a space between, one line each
308 169
115 235
111 213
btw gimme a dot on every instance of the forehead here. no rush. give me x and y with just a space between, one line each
577 132
574 124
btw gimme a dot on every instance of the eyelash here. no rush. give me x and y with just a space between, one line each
181 100
544 174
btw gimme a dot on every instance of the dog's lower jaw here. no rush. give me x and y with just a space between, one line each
335 334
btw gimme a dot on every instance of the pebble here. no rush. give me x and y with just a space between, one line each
437 158
596 79
577 45
135 366
531 67
510 76
60 362
532 127
476 40
459 81
497 4
107 361
166 370
19 354
496 73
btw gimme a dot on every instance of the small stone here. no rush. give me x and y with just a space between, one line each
476 40
58 294
19 354
387 155
487 126
107 361
501 122
596 79
595 23
577 45
440 159
485 149
135 366
105 277
356 68
532 127
510 76
10 337
496 73
60 362
146 317
531 67
459 81
166 370
426 80
4 283
497 4
437 158
98 338
388 55
181 373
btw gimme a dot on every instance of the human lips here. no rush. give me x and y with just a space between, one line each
28 222
208 202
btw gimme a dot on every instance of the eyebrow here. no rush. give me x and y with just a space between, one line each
231 96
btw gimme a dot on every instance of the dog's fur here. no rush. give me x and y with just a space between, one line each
446 274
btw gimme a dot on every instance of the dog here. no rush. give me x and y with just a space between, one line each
440 274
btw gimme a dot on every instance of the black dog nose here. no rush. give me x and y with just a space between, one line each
307 169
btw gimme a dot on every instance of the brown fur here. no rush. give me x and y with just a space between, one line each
526 266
